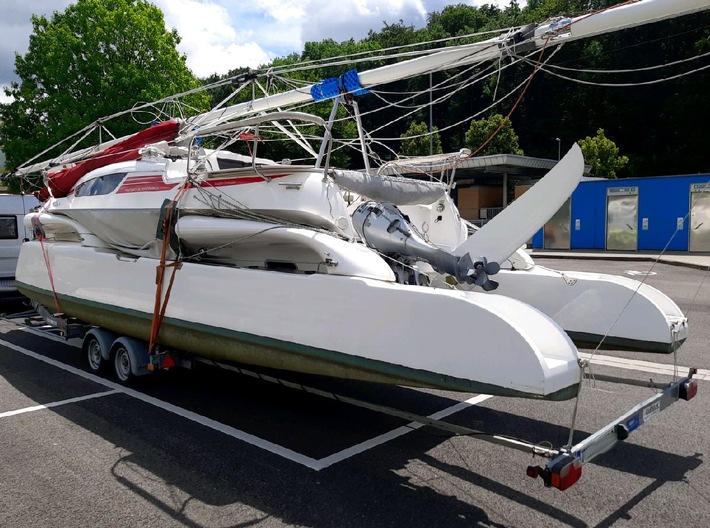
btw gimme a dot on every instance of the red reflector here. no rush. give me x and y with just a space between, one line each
534 471
687 390
564 476
168 362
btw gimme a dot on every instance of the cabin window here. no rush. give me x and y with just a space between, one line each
8 227
101 185
228 163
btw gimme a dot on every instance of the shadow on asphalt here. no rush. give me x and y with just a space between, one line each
172 462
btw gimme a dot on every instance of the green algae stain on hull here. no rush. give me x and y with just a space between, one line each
222 344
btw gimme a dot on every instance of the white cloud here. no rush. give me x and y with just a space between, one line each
15 28
4 99
210 41
220 35
345 20
284 11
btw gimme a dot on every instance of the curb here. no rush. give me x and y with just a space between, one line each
624 257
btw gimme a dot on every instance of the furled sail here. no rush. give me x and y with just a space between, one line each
60 183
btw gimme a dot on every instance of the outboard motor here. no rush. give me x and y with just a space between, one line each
383 227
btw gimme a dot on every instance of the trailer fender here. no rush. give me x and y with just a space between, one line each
138 353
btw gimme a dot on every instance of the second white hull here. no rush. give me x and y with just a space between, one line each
594 308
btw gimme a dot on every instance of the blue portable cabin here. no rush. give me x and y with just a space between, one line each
663 207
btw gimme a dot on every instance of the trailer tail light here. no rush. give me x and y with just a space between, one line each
565 473
560 473
687 390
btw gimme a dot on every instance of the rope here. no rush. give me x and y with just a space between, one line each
575 409
629 70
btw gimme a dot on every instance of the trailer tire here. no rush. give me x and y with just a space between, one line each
129 358
96 349
122 364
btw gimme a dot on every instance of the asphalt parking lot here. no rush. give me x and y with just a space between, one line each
212 448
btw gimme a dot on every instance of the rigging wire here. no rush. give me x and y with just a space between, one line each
630 70
524 84
460 86
627 85
353 58
459 122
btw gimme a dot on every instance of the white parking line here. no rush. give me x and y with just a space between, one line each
57 403
395 433
312 463
184 413
271 447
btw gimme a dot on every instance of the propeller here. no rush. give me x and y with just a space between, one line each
478 272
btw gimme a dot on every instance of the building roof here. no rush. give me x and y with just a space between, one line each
483 170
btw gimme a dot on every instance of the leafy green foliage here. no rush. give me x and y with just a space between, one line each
603 155
94 59
660 126
504 142
101 56
417 141
462 19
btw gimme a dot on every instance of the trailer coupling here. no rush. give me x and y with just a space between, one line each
565 469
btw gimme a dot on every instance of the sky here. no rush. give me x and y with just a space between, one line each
220 35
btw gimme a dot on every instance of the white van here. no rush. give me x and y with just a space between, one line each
13 208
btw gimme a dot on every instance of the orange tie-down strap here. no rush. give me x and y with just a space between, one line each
39 233
162 303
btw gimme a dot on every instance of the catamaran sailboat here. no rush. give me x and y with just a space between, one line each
350 274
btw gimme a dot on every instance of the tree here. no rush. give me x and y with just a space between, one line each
94 59
603 155
458 19
416 141
504 142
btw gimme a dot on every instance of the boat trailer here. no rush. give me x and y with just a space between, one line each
564 467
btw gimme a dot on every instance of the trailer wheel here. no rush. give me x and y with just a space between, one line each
92 350
96 348
122 364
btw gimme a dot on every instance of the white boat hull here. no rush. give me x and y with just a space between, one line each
338 326
594 308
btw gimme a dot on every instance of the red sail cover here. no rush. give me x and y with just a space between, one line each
62 182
